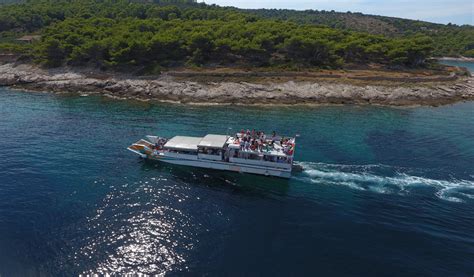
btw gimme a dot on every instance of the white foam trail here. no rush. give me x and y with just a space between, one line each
362 177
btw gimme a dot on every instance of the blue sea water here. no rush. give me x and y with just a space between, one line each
468 65
384 192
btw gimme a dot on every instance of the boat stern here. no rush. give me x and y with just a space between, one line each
143 148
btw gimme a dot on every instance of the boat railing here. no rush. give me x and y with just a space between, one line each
260 163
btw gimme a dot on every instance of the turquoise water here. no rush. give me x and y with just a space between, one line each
384 191
468 65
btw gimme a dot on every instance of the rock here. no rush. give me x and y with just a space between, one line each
291 92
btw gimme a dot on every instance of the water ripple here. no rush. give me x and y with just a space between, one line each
368 177
142 231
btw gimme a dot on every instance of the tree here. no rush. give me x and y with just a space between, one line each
310 51
53 53
410 52
200 46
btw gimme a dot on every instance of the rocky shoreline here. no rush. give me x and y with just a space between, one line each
171 88
458 59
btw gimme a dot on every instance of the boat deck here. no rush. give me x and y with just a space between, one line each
242 152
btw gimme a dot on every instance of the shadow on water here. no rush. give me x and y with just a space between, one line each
239 183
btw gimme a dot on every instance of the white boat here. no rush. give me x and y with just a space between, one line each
244 152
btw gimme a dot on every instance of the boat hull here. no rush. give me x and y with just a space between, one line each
226 166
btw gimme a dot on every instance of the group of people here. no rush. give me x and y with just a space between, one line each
288 147
252 140
258 141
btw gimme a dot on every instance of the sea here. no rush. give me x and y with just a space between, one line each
385 191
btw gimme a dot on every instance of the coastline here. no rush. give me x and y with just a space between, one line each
459 59
211 88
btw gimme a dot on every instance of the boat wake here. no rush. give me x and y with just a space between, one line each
384 179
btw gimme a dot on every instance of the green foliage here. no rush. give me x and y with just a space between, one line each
449 40
52 52
316 52
469 53
410 52
120 34
14 48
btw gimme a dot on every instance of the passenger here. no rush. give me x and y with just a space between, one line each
242 144
252 146
253 133
247 145
267 148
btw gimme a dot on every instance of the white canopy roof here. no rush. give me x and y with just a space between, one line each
213 141
183 143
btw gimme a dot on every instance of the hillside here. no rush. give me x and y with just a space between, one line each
449 40
170 33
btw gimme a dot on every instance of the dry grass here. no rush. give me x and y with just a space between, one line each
358 76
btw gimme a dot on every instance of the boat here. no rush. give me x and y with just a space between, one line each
245 152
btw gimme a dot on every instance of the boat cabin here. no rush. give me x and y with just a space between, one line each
182 145
231 149
212 147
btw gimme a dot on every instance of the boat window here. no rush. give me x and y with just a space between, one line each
282 160
269 158
253 157
182 152
209 151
